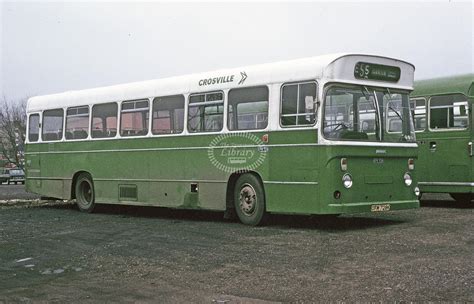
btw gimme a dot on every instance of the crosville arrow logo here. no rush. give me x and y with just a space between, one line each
244 76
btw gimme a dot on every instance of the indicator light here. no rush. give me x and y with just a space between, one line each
344 164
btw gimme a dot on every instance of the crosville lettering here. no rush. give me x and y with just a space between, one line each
216 80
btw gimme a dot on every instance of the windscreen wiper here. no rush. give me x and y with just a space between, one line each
390 107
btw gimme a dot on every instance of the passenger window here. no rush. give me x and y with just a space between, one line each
248 108
168 115
298 104
206 112
134 118
33 128
104 120
77 123
449 112
52 125
418 113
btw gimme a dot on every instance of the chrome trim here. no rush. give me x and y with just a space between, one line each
468 184
47 178
413 145
157 180
135 180
290 183
168 149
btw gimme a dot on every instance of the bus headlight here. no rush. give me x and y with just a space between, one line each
407 178
347 180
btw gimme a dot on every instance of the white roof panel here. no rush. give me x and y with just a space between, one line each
337 67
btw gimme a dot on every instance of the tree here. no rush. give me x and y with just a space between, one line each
12 130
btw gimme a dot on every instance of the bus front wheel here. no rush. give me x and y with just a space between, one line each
249 200
85 195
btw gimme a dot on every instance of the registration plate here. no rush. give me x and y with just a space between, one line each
380 208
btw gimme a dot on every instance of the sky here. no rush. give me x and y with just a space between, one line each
50 47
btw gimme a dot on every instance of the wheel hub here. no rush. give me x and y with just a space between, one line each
86 192
248 199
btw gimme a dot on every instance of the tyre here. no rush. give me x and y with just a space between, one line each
249 200
85 194
461 198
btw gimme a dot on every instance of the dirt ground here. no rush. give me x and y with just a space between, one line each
55 253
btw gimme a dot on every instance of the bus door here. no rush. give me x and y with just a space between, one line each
448 143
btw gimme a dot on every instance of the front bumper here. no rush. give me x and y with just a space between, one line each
373 207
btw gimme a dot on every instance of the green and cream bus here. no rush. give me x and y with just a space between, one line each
307 136
443 125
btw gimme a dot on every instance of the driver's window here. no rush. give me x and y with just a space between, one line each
367 115
349 114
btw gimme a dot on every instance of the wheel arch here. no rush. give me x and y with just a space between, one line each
74 180
231 186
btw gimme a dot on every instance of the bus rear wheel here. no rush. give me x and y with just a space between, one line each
249 200
85 194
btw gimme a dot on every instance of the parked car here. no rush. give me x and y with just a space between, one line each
15 176
4 175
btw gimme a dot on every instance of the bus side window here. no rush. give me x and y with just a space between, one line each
52 125
104 120
449 112
168 115
206 112
294 98
33 128
248 108
77 123
418 113
134 118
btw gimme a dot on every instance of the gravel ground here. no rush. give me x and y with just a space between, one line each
15 192
141 254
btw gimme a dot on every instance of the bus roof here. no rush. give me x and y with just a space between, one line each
333 67
445 85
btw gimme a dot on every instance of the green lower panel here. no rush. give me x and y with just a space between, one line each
50 187
445 189
302 199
